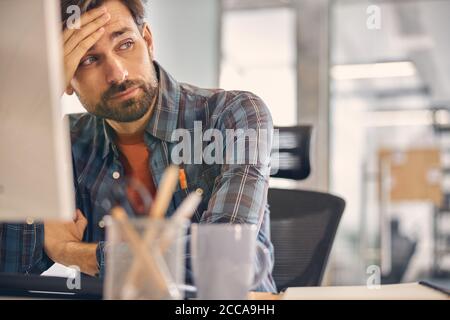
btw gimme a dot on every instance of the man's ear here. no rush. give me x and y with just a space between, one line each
148 38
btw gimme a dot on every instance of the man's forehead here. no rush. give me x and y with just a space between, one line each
116 7
114 29
121 22
117 26
111 33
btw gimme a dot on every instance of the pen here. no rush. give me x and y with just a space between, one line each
182 178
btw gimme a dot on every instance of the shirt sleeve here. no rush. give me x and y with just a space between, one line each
240 191
100 254
22 248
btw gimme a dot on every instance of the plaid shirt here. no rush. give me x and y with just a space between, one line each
233 193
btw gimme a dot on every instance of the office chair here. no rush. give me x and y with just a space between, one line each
403 249
303 223
292 150
303 227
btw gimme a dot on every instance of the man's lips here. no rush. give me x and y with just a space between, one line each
129 93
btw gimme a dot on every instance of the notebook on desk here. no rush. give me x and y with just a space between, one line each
403 291
444 288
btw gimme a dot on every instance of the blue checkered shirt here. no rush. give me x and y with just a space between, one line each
233 193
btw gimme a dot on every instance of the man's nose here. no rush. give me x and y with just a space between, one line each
115 72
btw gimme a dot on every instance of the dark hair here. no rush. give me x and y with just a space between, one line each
136 8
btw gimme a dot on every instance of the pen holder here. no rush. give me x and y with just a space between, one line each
157 271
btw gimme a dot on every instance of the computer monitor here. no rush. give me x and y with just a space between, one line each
36 178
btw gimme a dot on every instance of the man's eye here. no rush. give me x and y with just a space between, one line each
126 45
88 61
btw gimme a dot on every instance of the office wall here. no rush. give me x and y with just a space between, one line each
186 41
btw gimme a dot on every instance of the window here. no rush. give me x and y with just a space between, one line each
259 55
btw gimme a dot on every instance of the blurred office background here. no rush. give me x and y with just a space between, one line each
373 78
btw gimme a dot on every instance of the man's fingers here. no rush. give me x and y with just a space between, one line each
85 18
78 41
78 215
84 32
81 223
85 45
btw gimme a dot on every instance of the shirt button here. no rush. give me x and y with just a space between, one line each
101 224
106 204
116 175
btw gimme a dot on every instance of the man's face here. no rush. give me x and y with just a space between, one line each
116 78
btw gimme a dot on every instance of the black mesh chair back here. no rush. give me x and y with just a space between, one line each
303 227
290 153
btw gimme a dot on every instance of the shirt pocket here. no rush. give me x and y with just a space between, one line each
203 180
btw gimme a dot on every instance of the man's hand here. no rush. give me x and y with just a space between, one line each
59 234
78 41
63 244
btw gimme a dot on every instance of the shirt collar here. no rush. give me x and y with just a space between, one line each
164 119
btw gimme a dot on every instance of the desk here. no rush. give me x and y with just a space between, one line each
92 289
404 291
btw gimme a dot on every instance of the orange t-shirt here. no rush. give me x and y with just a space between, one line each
134 156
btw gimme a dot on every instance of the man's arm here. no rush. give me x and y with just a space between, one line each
240 190
82 255
63 244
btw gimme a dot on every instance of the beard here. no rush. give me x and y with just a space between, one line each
125 111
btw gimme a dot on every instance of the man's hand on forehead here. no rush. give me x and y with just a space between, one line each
78 41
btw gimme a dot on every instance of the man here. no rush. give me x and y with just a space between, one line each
134 106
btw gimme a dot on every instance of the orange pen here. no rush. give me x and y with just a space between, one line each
183 180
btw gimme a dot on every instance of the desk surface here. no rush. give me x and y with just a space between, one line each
404 291
92 290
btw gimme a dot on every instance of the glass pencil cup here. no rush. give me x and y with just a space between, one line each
145 260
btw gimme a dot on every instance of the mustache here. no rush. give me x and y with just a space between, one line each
121 87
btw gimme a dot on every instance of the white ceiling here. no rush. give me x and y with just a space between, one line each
410 30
